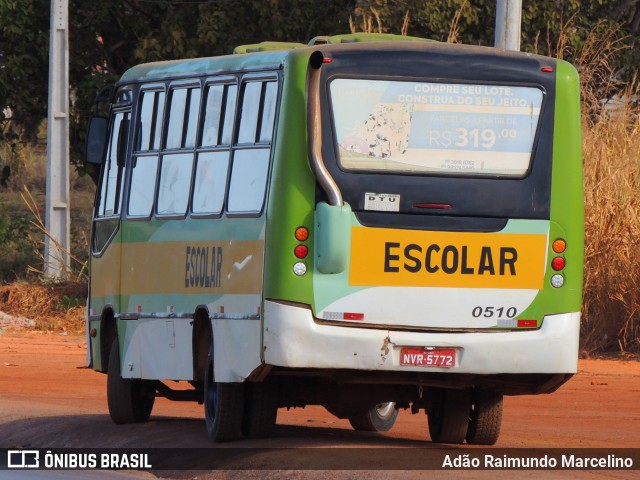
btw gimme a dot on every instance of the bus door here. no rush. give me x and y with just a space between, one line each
157 316
106 232
449 183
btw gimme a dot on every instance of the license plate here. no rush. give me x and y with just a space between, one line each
428 357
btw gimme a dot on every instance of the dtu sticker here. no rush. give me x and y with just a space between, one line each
382 202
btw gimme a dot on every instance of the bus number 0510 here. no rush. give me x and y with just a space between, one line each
490 312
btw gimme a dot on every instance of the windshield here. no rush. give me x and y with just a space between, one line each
421 127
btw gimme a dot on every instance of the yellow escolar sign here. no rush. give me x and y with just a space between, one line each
388 257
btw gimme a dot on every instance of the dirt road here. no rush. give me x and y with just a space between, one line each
48 399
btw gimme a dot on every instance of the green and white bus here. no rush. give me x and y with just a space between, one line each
363 220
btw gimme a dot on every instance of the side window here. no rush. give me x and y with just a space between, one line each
145 157
177 155
268 112
252 150
143 182
214 151
150 120
113 175
248 181
184 104
250 112
211 182
110 200
220 105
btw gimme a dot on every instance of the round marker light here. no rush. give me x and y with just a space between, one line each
301 251
559 245
557 280
299 269
558 263
302 234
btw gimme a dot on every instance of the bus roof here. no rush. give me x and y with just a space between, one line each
273 55
264 55
177 68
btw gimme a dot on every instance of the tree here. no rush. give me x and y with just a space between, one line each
463 21
110 36
24 38
600 37
252 21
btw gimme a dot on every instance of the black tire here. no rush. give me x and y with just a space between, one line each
485 418
449 418
260 410
377 419
129 400
223 407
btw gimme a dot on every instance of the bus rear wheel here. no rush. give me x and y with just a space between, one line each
485 418
449 416
260 410
223 407
129 400
377 419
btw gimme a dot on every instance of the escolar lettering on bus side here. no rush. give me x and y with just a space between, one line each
202 267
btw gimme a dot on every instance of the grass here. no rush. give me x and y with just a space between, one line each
22 210
611 309
56 307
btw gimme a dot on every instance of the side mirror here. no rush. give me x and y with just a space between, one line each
94 148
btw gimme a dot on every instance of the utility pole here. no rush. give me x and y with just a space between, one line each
57 245
508 23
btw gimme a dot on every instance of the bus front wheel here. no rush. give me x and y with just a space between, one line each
485 418
449 417
130 400
223 407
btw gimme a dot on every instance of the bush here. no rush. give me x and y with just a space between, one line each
55 308
611 309
16 250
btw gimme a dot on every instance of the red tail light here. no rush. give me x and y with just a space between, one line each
558 263
301 251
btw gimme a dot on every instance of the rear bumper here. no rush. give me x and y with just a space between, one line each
293 339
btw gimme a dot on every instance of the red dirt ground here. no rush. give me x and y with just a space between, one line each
48 398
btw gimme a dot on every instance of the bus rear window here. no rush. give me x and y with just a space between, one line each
447 128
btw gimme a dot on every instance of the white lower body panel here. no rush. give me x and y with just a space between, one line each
162 349
157 349
293 339
236 348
